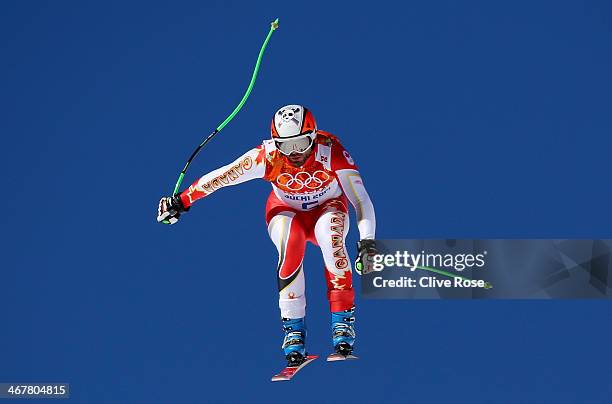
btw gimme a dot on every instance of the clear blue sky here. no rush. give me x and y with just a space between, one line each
468 119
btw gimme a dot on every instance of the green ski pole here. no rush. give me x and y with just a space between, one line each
273 27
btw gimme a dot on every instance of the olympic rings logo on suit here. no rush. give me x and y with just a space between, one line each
302 180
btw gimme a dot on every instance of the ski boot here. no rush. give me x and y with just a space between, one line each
343 333
294 342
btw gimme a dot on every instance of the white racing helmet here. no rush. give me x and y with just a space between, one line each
293 129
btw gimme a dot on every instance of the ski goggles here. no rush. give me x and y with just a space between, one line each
299 144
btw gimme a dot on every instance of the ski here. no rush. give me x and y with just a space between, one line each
339 357
290 371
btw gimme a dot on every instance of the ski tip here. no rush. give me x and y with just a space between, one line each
274 24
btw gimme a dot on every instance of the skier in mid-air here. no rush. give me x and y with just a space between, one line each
312 176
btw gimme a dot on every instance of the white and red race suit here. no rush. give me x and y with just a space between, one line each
307 203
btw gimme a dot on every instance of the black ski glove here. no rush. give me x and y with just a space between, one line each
170 209
366 249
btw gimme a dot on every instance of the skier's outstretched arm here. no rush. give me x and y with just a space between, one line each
249 166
